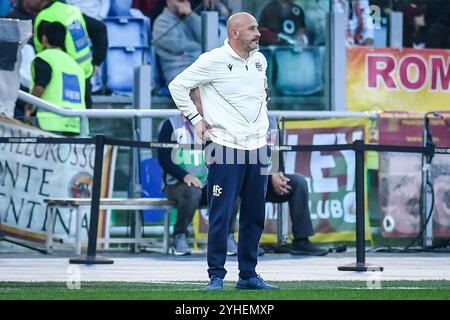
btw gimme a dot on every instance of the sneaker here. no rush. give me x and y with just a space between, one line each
305 247
255 283
181 246
215 283
231 245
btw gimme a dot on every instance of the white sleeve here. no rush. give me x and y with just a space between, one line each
28 56
197 74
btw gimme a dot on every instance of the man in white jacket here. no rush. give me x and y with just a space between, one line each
232 82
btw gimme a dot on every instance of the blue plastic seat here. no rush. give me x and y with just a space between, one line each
298 70
120 66
128 48
151 180
5 8
127 32
119 7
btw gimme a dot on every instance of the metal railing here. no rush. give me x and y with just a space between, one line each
162 113
134 114
359 147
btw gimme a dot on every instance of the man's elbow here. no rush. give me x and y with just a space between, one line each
172 86
177 89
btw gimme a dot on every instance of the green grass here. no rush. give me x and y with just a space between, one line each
291 290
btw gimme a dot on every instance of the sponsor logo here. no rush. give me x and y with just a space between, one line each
81 185
217 190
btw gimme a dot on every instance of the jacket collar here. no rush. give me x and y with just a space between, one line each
233 53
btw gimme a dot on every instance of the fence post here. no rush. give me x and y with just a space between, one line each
360 265
91 257
84 126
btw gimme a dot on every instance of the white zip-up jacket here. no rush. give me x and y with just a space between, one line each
233 95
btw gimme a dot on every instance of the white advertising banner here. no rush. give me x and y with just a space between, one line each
30 173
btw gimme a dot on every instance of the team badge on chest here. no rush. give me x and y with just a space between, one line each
258 66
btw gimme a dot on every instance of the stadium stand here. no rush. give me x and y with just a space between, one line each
119 7
268 53
288 60
129 47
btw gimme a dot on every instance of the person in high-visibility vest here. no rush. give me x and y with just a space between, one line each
82 30
58 79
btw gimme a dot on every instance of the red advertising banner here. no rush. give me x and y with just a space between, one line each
330 176
400 175
397 79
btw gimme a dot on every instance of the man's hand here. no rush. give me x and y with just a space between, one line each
96 70
203 130
190 180
280 183
28 110
184 8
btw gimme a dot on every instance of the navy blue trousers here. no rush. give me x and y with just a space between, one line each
246 177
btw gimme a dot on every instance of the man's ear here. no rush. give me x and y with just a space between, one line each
235 34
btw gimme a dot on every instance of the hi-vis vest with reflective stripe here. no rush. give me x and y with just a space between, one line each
66 89
77 39
193 161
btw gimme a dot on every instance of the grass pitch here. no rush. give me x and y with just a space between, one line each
290 290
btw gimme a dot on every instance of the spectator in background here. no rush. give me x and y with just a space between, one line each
82 30
291 188
185 179
177 38
150 8
414 35
283 22
359 24
97 9
153 8
315 19
438 22
57 79
25 10
386 6
221 6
